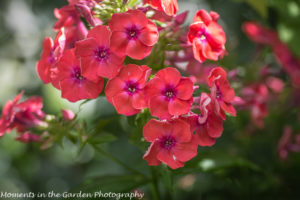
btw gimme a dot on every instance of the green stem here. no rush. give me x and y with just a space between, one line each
116 160
154 183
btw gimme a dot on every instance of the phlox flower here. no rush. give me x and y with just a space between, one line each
206 36
172 143
208 126
133 34
22 115
126 90
169 94
221 92
97 59
52 51
73 85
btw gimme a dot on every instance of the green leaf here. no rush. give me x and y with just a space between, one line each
102 138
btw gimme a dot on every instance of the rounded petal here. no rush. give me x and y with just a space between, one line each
215 74
108 69
197 50
154 87
155 129
151 154
138 18
139 100
159 107
43 70
149 34
214 125
89 68
101 34
203 138
181 131
185 151
74 91
208 51
146 73
131 72
202 16
169 159
179 107
123 104
84 48
216 36
115 59
227 107
170 7
114 87
170 75
119 43
137 50
184 89
44 65
119 22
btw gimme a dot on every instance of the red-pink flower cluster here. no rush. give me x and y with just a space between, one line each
283 54
26 117
77 64
22 116
256 96
288 143
78 72
170 97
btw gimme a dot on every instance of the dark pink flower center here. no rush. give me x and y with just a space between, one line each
202 35
219 94
102 54
131 87
77 74
169 93
133 33
167 142
51 58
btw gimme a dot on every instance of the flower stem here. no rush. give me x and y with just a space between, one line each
155 192
116 160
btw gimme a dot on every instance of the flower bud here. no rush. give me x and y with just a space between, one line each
68 115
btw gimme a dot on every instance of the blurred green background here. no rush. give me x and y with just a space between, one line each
240 165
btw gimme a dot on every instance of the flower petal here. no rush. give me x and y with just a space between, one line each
119 22
101 34
185 151
155 129
181 131
84 48
131 72
184 89
139 100
137 50
149 34
119 43
170 75
203 138
123 104
159 107
151 154
169 159
114 87
179 107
